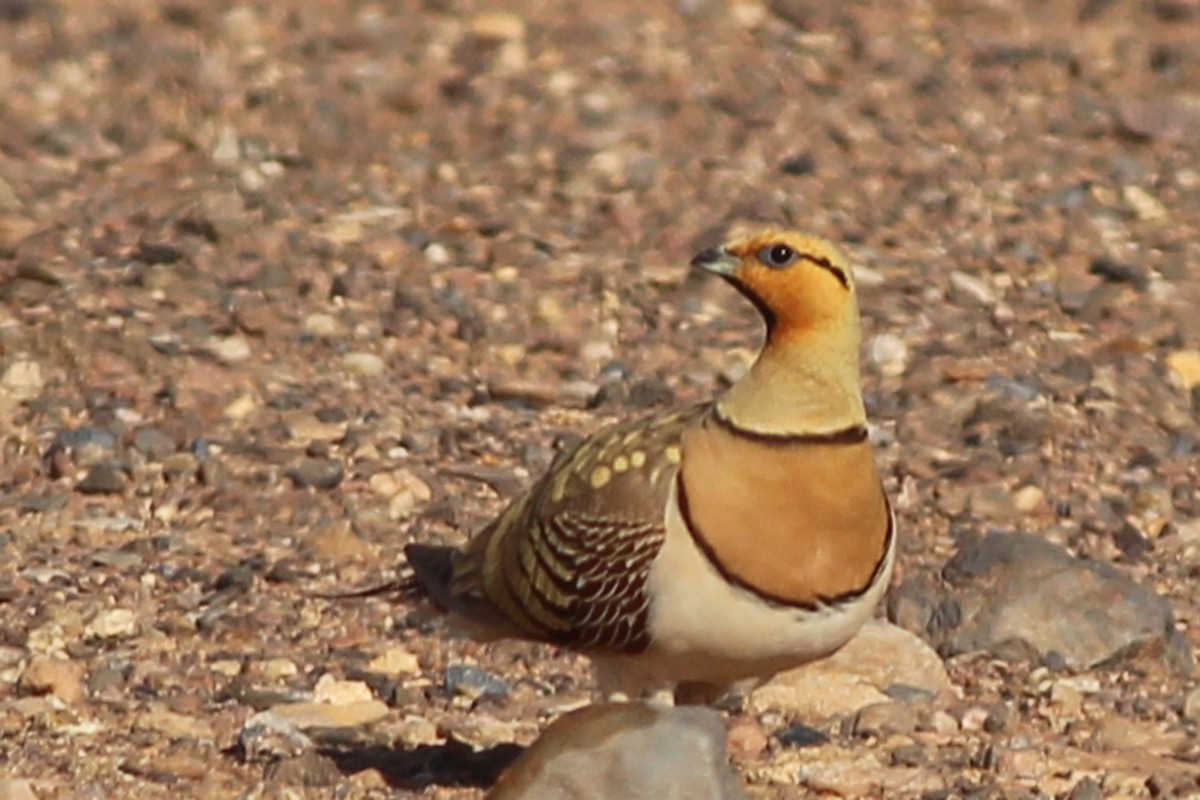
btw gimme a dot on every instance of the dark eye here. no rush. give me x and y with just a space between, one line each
777 255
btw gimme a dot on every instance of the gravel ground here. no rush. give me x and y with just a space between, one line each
284 286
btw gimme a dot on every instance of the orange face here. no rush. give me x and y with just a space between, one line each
800 283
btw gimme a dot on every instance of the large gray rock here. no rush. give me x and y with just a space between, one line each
625 751
1019 596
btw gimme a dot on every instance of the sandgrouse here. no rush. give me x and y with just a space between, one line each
706 545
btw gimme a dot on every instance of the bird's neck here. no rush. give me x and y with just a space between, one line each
804 383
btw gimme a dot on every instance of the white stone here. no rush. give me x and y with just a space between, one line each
972 287
339 692
23 379
113 623
367 365
891 354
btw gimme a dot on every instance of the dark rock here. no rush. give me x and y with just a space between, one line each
152 253
107 477
1021 597
88 435
799 164
620 751
310 769
1132 542
1118 272
471 681
1086 789
801 735
108 677
43 503
153 443
284 571
997 719
235 580
317 473
266 737
650 393
908 755
80 446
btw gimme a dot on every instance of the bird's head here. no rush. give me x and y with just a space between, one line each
800 284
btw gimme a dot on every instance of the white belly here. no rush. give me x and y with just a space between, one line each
704 628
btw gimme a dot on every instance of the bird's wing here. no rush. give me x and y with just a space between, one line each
567 561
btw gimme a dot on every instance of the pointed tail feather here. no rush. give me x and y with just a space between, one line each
432 572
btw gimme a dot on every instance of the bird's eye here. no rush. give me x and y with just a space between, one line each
777 255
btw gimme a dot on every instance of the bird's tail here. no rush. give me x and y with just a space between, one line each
426 573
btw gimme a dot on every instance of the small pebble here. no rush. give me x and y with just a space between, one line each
276 670
339 692
394 661
801 735
317 473
969 287
57 676
230 350
1191 705
367 365
153 443
1147 207
471 681
1086 789
1119 272
325 326
908 755
114 623
890 353
22 380
1185 368
1028 499
882 719
107 477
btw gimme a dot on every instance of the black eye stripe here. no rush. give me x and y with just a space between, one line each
778 256
826 264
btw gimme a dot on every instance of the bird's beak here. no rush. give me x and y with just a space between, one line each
717 260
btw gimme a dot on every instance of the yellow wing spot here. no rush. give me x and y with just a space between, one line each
600 477
674 454
560 485
637 458
620 464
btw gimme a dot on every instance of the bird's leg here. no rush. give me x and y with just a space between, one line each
619 681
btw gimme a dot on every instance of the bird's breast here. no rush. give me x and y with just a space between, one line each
797 522
704 627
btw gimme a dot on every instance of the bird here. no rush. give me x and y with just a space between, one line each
709 545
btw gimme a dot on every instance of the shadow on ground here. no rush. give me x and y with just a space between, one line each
451 764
